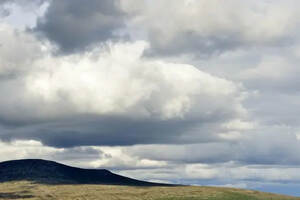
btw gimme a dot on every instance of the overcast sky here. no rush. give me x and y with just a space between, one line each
194 91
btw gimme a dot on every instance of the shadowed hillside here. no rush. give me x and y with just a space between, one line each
50 172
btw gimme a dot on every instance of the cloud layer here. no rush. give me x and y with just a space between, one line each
212 27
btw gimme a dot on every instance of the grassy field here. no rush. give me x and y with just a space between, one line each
28 190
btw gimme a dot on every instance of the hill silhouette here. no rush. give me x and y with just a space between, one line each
50 172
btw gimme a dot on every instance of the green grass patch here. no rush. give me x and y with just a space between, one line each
222 196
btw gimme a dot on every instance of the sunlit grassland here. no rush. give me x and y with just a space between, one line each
28 190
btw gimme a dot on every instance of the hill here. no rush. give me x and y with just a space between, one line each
41 179
49 172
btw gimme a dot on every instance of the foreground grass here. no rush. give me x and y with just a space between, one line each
30 191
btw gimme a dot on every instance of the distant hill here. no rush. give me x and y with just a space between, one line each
43 171
33 179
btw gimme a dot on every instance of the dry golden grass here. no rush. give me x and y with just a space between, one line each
29 191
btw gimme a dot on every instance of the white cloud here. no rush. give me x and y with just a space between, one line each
23 14
111 80
238 125
116 80
116 158
24 149
32 149
120 81
17 50
212 26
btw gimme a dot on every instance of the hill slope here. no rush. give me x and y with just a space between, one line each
41 179
43 171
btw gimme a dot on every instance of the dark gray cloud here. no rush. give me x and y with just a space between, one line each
3 2
4 12
111 131
276 147
77 25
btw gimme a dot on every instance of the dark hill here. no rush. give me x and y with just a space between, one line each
49 172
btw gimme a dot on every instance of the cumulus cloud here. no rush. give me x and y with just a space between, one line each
212 27
116 158
22 14
30 149
76 25
111 95
123 83
17 50
23 149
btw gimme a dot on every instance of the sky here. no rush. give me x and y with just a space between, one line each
201 92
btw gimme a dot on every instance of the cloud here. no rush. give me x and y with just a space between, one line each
275 147
24 149
30 149
17 50
123 83
116 158
121 160
203 92
7 7
193 30
200 174
77 25
276 71
109 96
4 12
212 27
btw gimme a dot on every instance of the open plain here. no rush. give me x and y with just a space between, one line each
33 191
